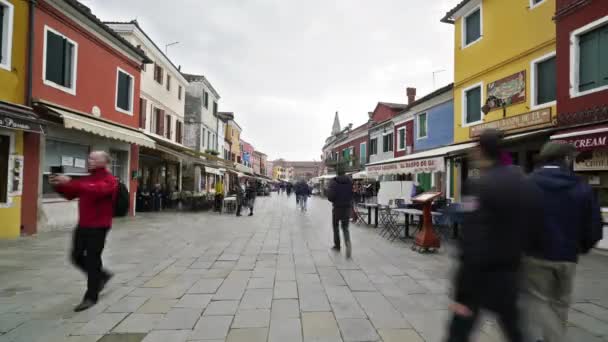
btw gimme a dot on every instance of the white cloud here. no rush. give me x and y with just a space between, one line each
285 66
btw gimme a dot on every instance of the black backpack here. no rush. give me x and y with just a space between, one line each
121 206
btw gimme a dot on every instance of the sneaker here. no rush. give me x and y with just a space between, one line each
349 250
250 214
84 305
336 248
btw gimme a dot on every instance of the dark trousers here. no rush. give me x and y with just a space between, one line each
341 216
218 202
87 247
495 292
239 207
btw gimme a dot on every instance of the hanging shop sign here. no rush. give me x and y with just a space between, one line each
537 119
509 90
13 122
597 162
408 166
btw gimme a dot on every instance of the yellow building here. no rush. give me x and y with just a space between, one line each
504 75
233 134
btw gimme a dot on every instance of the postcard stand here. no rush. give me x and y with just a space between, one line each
426 240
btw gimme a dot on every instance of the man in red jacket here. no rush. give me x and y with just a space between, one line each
97 194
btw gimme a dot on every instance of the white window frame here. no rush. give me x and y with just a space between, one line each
404 129
72 90
351 154
418 137
131 92
575 58
533 5
464 105
534 83
11 151
463 27
8 32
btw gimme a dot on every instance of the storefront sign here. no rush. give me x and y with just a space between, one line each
20 124
589 142
509 90
598 162
408 166
540 117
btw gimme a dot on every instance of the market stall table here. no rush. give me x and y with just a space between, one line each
407 212
369 207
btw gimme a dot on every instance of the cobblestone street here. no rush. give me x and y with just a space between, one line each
205 277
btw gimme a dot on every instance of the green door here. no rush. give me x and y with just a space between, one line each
424 181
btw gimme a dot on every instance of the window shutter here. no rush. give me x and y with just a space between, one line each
1 33
124 91
168 119
589 61
54 58
143 110
473 27
161 122
604 54
68 51
473 98
546 81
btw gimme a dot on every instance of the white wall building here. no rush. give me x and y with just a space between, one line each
202 122
163 87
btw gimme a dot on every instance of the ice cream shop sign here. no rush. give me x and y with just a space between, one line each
408 166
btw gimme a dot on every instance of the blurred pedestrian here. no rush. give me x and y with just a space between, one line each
340 194
302 191
250 194
499 206
219 195
97 194
240 196
571 226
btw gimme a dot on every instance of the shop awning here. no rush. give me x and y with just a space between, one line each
213 171
437 152
585 139
102 128
19 118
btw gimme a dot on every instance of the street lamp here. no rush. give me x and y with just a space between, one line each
170 44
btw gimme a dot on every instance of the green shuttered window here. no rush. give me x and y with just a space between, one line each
473 105
593 67
472 27
124 92
60 53
546 81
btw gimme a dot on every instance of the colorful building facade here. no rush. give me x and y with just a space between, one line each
19 127
86 84
501 81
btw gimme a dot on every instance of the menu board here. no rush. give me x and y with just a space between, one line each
427 196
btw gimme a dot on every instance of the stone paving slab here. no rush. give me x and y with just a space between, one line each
203 277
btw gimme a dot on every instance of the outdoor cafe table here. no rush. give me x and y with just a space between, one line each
407 212
369 207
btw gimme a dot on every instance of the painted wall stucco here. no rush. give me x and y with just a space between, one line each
498 55
440 127
96 73
13 82
10 216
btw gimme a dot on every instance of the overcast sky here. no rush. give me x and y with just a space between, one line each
284 67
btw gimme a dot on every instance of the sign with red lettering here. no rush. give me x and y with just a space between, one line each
409 166
589 142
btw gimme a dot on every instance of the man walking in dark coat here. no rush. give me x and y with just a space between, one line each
499 207
572 225
340 194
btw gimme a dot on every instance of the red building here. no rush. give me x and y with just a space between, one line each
353 145
582 89
86 82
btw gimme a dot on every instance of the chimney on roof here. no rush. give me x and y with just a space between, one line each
411 95
179 68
